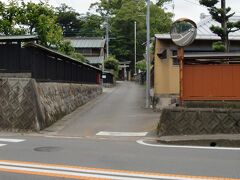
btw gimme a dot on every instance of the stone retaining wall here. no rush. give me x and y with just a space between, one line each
196 121
28 105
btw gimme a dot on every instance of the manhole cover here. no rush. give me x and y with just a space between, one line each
48 149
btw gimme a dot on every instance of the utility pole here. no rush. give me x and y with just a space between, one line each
106 25
135 48
148 80
107 35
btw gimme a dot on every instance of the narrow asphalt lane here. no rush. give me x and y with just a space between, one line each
120 109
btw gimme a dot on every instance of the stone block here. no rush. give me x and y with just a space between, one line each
29 105
197 121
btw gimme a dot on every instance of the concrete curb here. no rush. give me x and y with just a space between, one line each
199 137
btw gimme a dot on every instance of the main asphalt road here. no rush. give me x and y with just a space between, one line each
107 139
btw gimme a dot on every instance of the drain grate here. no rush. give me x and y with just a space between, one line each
48 149
213 144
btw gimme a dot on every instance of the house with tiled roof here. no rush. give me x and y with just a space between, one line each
92 48
166 69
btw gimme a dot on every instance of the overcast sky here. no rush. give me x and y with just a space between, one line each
183 8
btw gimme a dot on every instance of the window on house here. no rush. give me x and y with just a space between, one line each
162 54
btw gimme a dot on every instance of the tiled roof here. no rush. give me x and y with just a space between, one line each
204 32
80 42
59 55
18 38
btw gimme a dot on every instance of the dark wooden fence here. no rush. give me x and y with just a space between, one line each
45 64
109 78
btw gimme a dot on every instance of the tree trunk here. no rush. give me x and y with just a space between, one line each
224 26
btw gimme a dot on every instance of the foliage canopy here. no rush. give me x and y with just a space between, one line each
51 24
35 19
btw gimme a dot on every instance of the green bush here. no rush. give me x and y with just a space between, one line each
141 65
66 48
112 64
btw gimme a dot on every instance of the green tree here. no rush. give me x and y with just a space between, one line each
160 21
122 15
222 15
106 7
10 15
35 19
49 32
112 64
122 30
141 65
66 48
32 13
69 20
91 25
79 57
161 2
40 19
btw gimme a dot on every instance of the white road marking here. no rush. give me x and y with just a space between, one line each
141 141
11 140
84 172
122 134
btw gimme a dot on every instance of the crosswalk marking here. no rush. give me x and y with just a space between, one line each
2 145
122 134
11 140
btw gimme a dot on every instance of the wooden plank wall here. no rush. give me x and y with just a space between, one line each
211 82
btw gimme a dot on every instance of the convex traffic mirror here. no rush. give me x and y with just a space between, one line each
183 32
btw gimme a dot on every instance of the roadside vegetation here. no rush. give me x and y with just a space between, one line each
52 24
112 64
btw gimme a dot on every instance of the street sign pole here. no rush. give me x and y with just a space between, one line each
180 54
183 33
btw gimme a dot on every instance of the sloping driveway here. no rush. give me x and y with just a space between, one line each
119 109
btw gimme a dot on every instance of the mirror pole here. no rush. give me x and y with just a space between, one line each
180 55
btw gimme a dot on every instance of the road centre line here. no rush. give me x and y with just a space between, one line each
142 142
11 140
76 172
44 173
122 134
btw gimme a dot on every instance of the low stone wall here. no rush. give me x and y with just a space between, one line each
18 104
212 104
197 121
28 105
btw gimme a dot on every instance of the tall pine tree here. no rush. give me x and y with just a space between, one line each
221 15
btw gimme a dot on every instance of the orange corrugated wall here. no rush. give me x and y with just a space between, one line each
211 82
